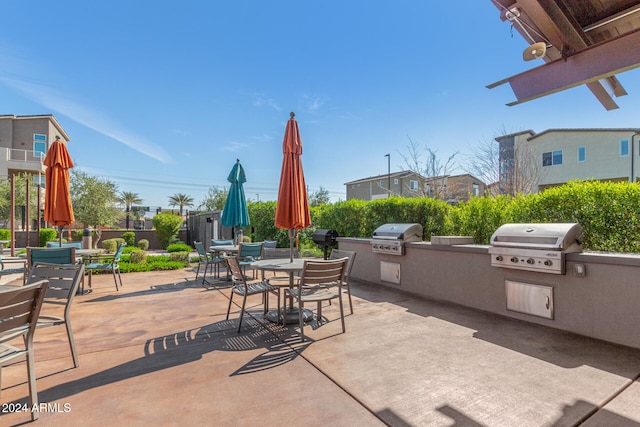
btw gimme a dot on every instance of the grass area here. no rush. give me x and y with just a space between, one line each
153 263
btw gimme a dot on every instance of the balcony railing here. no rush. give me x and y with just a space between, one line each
29 156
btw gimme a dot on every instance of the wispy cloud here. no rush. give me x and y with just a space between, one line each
61 103
314 103
234 146
261 101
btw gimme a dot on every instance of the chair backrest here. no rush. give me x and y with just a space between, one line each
270 243
270 253
63 279
236 271
200 248
51 255
339 253
19 309
77 245
116 257
324 273
216 242
250 250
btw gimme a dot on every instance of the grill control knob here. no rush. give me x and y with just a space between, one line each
548 262
514 259
499 258
530 261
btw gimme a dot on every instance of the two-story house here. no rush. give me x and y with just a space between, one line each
451 188
531 162
24 141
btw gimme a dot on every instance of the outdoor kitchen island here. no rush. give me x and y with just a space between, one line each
598 295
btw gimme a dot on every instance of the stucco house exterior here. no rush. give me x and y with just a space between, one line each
451 188
24 141
556 156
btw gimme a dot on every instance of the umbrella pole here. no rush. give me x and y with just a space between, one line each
292 235
60 231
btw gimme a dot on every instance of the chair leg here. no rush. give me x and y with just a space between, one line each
33 391
72 343
115 280
301 320
349 294
229 307
341 311
119 277
198 271
244 302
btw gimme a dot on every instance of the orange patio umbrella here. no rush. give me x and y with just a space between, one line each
292 208
58 210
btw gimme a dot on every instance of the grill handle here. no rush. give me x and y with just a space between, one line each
504 244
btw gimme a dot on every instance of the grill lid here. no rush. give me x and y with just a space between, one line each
566 237
404 232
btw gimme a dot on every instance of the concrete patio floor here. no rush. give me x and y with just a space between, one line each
159 352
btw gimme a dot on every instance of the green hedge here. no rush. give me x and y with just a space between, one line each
609 214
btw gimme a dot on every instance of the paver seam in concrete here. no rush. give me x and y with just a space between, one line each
605 402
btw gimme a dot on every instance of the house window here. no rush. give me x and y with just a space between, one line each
382 182
624 147
476 190
552 158
395 181
39 144
413 184
582 154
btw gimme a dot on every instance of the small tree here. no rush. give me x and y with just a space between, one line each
320 197
20 197
433 168
95 202
215 199
167 227
181 200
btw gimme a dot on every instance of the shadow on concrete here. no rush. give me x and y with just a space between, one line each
187 346
555 346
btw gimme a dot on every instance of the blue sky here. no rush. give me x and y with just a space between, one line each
161 97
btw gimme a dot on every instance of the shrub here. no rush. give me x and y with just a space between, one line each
182 257
138 257
167 227
47 235
153 263
143 244
110 245
129 237
179 247
5 234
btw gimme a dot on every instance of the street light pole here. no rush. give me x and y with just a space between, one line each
388 156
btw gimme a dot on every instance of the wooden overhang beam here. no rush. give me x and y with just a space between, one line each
558 30
597 62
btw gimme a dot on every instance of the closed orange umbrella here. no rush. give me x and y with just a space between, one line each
292 209
58 210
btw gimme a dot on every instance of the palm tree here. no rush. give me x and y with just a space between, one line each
129 199
181 200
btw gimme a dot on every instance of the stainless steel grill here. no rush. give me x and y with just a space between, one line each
535 247
390 238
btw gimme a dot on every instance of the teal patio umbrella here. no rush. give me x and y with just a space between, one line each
235 213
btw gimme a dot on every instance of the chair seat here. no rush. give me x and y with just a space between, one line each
313 295
98 266
253 288
12 270
9 352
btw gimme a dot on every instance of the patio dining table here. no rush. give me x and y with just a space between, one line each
283 265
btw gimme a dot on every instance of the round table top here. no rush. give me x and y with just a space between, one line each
88 251
279 264
224 248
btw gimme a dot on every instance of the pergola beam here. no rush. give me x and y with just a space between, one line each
595 63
